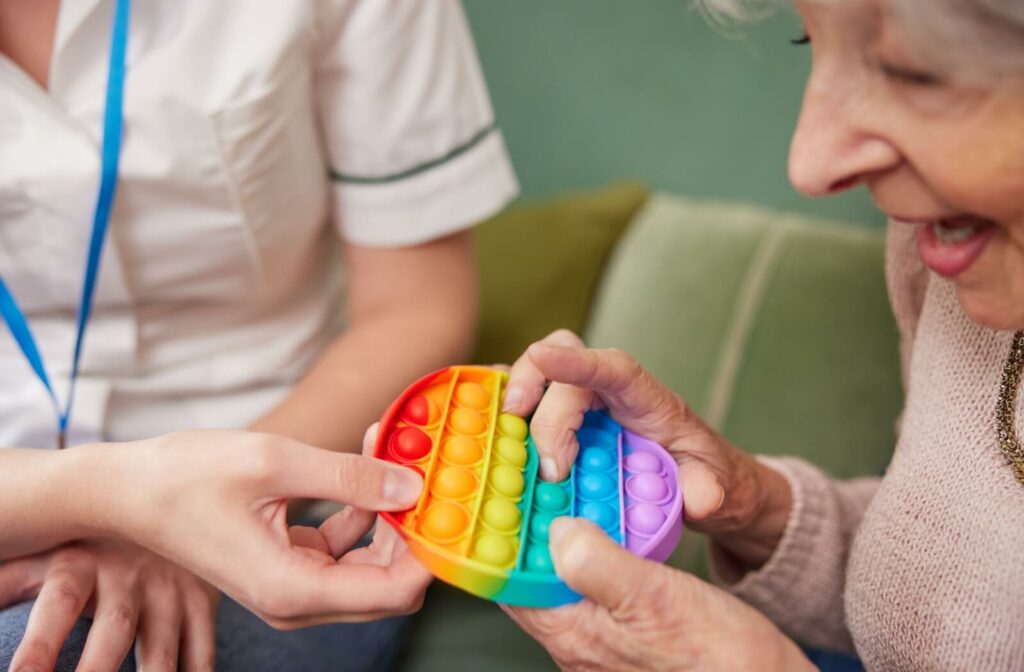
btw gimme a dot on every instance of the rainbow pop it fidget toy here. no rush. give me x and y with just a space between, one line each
482 521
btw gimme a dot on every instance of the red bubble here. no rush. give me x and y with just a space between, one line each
411 444
417 411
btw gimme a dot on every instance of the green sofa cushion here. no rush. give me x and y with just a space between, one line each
541 263
775 327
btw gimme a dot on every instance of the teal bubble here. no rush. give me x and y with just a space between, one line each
551 497
540 525
538 559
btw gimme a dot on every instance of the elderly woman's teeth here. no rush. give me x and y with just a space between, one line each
949 234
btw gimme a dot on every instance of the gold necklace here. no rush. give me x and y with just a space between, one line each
1006 407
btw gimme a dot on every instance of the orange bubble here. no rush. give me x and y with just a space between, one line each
468 422
454 483
445 521
462 450
472 395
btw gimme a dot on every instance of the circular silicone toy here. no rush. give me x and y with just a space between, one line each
483 521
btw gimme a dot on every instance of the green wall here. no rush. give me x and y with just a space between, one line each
589 91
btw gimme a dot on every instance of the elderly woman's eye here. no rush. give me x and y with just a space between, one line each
907 76
803 39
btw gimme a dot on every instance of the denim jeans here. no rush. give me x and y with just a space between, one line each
246 644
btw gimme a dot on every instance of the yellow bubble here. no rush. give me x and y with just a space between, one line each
501 514
462 450
507 481
454 483
510 450
445 521
468 422
472 395
494 550
512 426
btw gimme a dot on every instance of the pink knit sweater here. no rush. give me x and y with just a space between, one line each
922 569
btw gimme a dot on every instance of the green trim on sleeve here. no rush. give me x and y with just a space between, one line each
477 138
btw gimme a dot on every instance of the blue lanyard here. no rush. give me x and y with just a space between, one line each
111 153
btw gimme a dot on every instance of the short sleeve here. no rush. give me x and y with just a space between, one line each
413 149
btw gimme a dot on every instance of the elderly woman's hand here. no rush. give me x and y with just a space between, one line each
728 494
639 615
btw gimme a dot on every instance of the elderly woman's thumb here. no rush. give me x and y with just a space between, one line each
593 565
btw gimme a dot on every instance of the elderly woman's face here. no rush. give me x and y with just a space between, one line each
937 153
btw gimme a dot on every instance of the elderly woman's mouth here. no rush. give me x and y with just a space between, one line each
950 245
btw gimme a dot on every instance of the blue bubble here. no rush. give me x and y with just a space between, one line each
600 513
596 459
538 559
595 486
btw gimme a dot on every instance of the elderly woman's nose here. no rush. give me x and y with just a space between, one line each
831 151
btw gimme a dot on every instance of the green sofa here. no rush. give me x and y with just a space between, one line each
775 327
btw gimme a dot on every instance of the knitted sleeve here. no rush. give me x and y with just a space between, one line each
800 588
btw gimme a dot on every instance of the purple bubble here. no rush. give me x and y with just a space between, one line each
644 518
642 463
649 487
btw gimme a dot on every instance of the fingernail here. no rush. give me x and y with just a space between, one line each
548 469
721 499
513 397
402 486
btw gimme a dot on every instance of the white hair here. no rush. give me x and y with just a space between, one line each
978 38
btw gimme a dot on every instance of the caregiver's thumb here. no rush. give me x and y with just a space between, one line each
364 482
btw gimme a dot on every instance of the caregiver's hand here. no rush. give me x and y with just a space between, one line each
742 503
215 502
639 615
129 593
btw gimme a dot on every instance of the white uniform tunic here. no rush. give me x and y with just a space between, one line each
255 134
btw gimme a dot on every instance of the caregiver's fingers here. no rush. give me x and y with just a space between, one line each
526 382
114 621
21 579
553 428
66 590
592 564
370 438
160 622
197 648
305 472
342 530
309 538
344 592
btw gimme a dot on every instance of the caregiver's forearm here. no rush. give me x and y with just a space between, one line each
411 311
47 498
